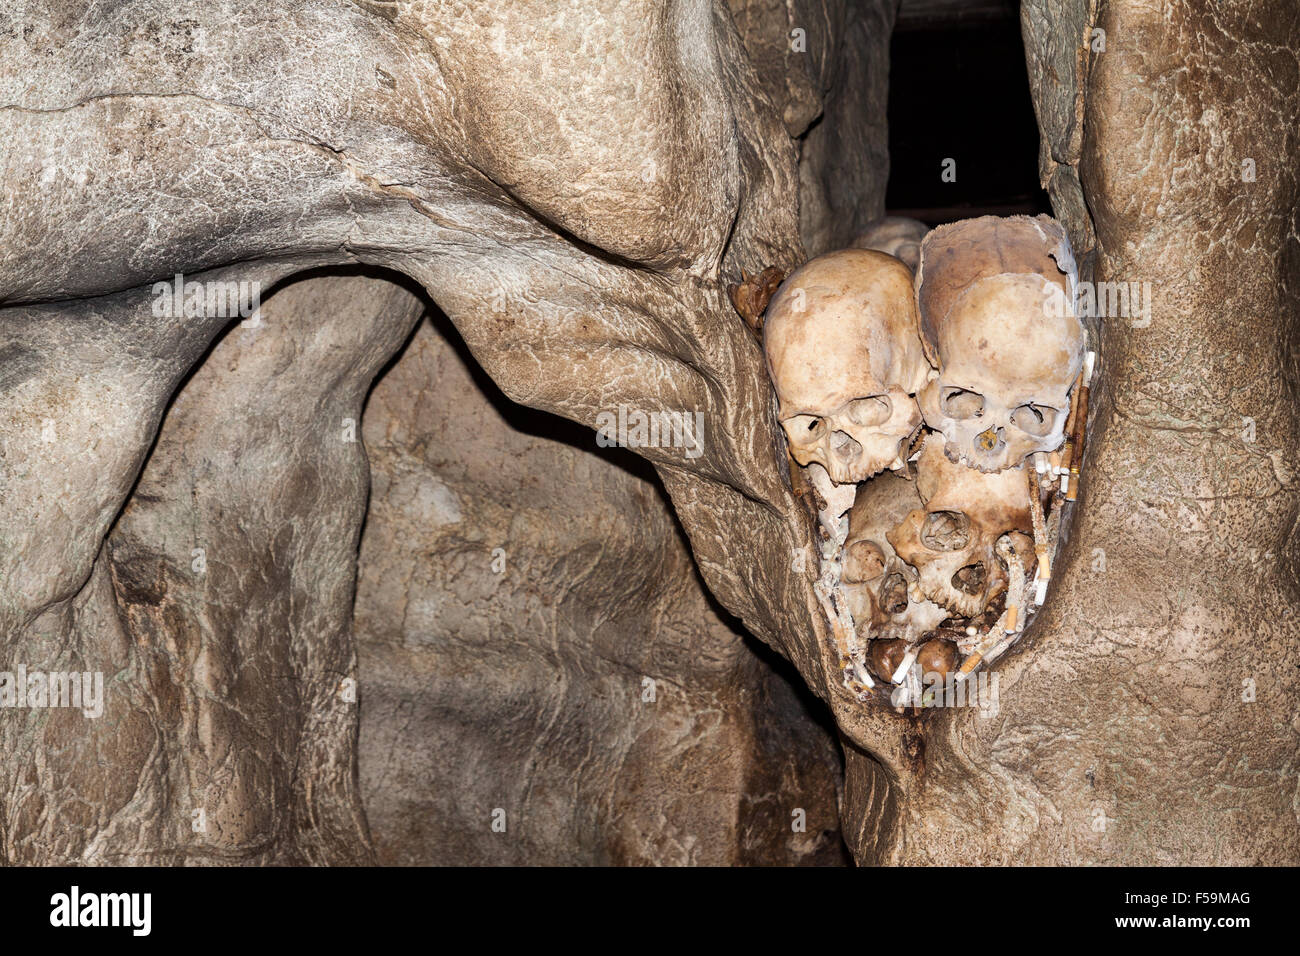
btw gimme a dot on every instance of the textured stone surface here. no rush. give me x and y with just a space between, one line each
574 184
534 639
341 138
218 608
1062 39
825 66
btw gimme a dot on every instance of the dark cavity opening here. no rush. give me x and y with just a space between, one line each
959 91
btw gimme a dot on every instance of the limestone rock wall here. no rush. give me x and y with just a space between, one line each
535 642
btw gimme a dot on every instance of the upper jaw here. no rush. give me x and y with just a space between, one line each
987 462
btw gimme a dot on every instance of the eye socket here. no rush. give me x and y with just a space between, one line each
1036 420
875 410
804 428
893 594
970 579
960 403
945 531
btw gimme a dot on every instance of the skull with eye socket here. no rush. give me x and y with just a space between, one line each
878 584
950 539
845 357
997 321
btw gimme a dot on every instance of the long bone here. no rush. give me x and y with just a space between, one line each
832 517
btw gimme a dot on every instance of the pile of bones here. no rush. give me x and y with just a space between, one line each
939 422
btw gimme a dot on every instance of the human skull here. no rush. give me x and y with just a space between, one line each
898 236
845 356
877 582
938 656
998 322
950 539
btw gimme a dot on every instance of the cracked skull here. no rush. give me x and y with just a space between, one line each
845 356
950 539
879 585
998 323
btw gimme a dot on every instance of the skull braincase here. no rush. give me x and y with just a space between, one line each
877 582
950 539
845 355
897 235
997 321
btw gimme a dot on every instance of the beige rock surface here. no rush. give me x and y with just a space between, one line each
533 639
574 184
